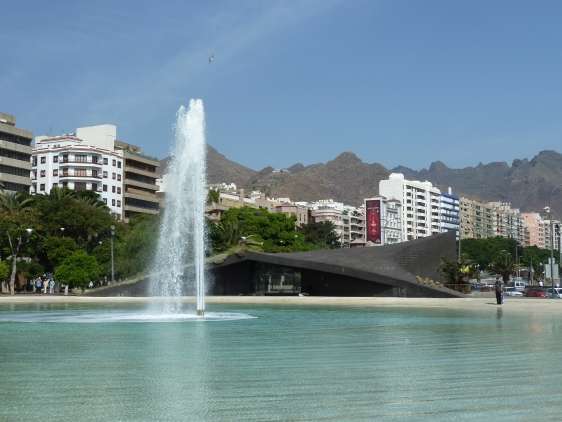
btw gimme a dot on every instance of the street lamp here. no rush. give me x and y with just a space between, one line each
112 255
548 212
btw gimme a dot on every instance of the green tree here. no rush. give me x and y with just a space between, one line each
213 197
135 244
503 264
321 234
4 273
483 251
78 270
275 232
57 249
16 217
457 274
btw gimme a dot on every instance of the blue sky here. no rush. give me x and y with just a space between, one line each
395 81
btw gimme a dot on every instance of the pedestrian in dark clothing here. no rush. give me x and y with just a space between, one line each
499 291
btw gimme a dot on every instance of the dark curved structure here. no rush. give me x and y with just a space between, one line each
408 269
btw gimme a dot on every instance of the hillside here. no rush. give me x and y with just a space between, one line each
527 184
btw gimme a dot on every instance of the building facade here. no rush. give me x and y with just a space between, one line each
139 181
420 205
15 155
449 212
387 215
92 159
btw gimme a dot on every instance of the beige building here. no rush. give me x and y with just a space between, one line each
482 220
534 225
15 155
139 181
294 210
478 219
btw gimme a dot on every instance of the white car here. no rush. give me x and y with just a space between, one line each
510 291
557 293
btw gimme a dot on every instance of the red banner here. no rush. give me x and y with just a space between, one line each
373 220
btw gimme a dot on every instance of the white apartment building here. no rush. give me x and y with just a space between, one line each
420 205
85 160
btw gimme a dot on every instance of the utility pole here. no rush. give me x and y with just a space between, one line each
112 255
548 212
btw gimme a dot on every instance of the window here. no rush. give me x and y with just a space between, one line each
95 187
94 159
80 172
55 185
113 189
105 200
104 188
34 161
105 174
113 176
81 158
55 158
65 158
119 177
118 164
55 172
42 187
119 203
43 160
105 160
114 163
119 191
94 173
64 184
113 202
42 174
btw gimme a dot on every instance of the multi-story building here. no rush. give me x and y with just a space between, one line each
509 222
552 236
92 159
420 205
534 225
81 161
139 181
15 153
477 219
333 212
390 220
299 212
449 212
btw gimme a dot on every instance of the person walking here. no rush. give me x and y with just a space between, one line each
39 285
51 286
499 291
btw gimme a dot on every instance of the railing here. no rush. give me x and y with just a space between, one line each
75 176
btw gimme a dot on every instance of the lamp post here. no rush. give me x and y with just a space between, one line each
112 255
548 212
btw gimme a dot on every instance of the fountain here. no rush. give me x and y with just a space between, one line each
179 265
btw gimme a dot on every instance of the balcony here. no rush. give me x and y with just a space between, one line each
75 176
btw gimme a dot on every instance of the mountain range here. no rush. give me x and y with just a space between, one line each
527 184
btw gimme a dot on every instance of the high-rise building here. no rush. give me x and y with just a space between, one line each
420 205
449 212
477 219
139 183
15 154
535 226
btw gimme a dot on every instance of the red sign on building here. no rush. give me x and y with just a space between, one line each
373 220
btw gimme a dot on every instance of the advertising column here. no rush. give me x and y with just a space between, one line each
373 221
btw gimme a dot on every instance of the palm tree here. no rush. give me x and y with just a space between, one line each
504 265
14 214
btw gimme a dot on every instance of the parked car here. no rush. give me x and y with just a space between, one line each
536 292
510 291
557 292
518 284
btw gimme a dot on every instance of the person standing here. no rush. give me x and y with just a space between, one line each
51 286
499 291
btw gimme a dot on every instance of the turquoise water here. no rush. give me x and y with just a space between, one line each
287 364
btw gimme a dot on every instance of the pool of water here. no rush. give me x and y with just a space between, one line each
279 364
